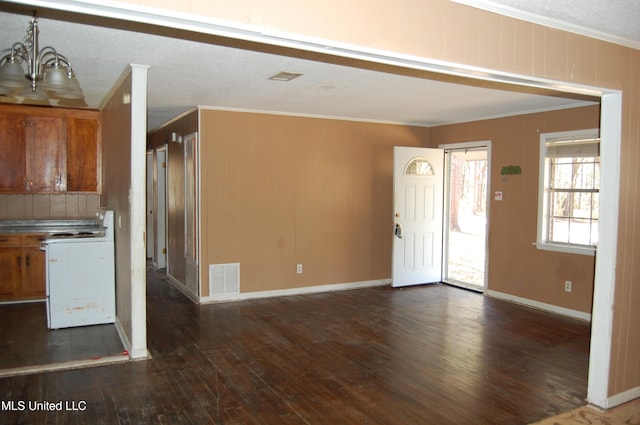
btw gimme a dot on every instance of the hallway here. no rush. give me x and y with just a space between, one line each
420 355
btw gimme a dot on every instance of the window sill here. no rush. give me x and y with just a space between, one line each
569 249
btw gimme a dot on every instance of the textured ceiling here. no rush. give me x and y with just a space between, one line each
186 73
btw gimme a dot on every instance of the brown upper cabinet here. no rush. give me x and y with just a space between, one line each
44 154
82 155
13 154
49 150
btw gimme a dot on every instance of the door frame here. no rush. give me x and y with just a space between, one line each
606 278
460 146
160 198
191 169
150 207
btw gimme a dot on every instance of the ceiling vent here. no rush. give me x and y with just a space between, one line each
285 76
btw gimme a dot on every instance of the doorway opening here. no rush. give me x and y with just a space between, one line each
466 208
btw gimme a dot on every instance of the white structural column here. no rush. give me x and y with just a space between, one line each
137 199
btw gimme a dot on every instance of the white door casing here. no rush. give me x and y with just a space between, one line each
418 188
161 208
469 151
150 206
191 192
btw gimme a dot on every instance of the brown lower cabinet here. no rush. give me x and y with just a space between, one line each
22 267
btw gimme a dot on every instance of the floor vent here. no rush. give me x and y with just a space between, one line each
224 278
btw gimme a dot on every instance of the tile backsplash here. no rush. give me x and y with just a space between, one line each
48 206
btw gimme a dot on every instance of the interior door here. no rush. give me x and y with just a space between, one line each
418 187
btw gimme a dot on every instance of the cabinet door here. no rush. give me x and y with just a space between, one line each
13 163
82 155
11 266
34 283
44 154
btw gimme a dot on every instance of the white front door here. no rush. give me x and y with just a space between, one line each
418 188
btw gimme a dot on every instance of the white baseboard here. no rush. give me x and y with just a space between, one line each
294 291
123 335
182 288
539 305
623 397
133 354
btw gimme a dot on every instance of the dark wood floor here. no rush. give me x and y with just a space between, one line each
422 355
26 341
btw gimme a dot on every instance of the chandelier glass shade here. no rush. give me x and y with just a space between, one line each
38 74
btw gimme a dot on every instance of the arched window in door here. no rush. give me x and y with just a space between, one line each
418 167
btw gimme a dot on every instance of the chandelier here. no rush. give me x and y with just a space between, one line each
48 75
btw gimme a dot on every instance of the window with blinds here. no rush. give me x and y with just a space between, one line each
569 191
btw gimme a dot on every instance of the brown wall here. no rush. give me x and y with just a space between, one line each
279 191
116 178
447 31
516 267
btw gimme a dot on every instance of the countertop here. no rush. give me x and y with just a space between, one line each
47 226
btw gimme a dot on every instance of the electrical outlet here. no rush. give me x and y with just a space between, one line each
567 286
299 269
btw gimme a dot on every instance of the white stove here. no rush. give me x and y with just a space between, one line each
80 267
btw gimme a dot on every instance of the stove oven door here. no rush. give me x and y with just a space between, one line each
80 282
